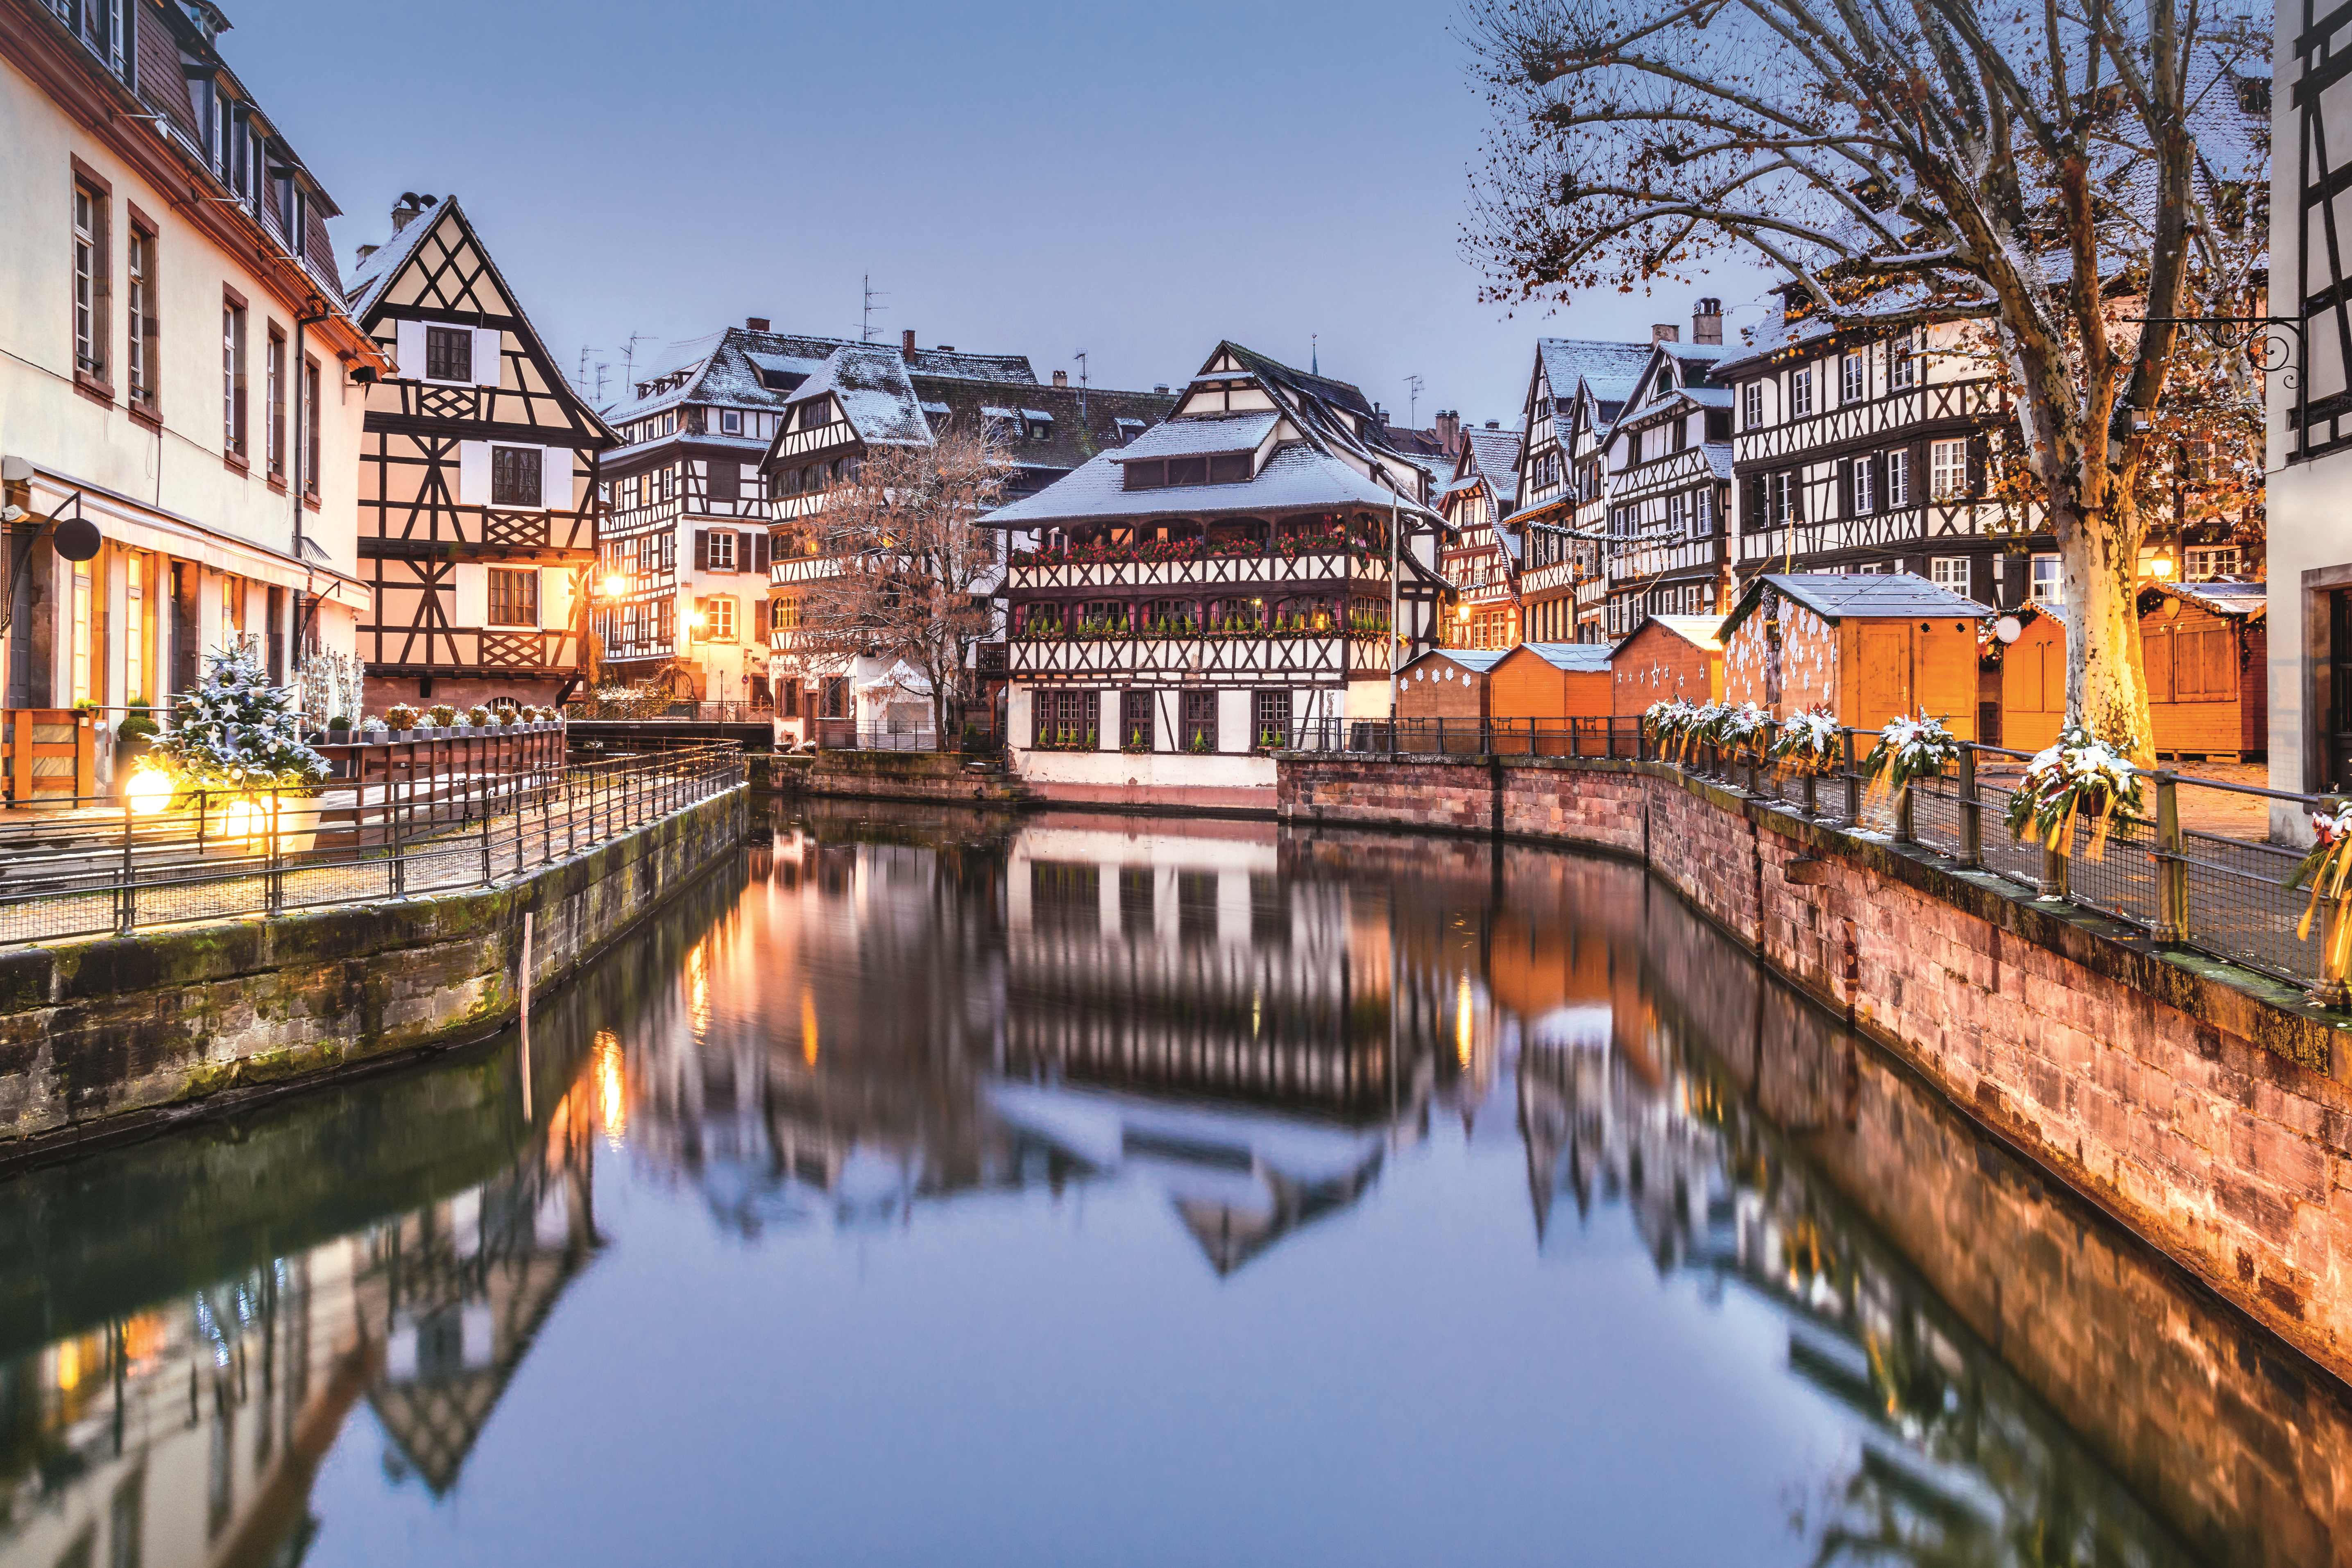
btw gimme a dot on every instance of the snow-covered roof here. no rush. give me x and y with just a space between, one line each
1481 660
1294 479
1836 597
995 411
1611 369
1577 657
1199 435
870 383
2245 601
1700 631
1037 415
785 365
370 277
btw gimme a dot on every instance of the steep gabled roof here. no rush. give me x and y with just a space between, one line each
875 395
435 240
1704 632
1611 369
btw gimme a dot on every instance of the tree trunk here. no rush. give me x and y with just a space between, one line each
2107 677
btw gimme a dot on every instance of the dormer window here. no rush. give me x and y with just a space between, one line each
730 422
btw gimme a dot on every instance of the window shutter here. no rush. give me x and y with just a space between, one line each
486 356
473 470
1979 453
703 549
1846 485
555 487
760 553
408 349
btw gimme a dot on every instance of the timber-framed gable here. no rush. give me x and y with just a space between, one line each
478 505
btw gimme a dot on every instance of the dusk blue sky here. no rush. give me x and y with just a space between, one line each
1136 181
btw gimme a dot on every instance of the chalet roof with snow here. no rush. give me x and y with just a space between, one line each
1479 660
1837 596
1700 631
1575 658
868 384
2238 601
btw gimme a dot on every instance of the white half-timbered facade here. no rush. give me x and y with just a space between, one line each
1864 445
477 478
1667 473
1482 559
1205 590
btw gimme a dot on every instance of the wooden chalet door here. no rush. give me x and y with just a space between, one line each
1886 674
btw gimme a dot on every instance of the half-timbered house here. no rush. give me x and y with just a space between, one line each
175 366
1574 393
1667 471
1861 445
1206 590
863 395
1483 559
477 477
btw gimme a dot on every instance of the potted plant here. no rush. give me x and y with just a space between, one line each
1808 742
2080 776
441 716
1139 738
235 744
400 720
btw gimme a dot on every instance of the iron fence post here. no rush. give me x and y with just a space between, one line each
2053 872
1971 811
274 879
2171 868
1852 778
125 913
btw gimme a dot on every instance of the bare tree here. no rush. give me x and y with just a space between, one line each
2034 168
911 570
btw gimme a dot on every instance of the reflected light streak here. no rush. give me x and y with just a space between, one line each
612 1088
808 1027
1462 1019
697 988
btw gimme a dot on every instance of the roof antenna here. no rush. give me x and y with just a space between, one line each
1081 357
1413 385
865 323
629 363
1315 353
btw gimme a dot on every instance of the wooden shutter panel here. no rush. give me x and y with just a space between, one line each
2156 652
1846 485
760 553
473 473
1979 460
486 341
703 549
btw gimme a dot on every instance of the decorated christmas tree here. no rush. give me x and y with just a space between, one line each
236 732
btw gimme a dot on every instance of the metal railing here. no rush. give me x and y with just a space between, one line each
95 867
2175 871
654 711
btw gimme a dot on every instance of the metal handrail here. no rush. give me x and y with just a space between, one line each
2189 887
98 867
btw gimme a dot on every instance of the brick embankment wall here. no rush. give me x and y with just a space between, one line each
101 1038
2205 1106
899 775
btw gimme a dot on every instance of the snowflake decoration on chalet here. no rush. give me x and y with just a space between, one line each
1908 749
2080 774
237 733
1808 740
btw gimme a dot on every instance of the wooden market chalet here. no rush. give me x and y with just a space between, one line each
478 468
1224 578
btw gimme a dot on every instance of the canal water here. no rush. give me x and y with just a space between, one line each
1076 1189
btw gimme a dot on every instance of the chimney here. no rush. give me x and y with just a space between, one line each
907 346
1493 425
1706 323
1449 430
1665 334
1162 389
404 210
1061 378
366 251
757 324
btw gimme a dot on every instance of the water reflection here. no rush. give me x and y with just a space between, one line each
1298 1050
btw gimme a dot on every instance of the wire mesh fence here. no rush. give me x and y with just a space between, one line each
2193 886
91 867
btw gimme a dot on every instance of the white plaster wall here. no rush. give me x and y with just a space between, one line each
1168 769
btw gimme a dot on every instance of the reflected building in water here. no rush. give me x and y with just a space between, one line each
190 1431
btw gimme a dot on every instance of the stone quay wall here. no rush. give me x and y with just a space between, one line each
2205 1106
939 776
110 1037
